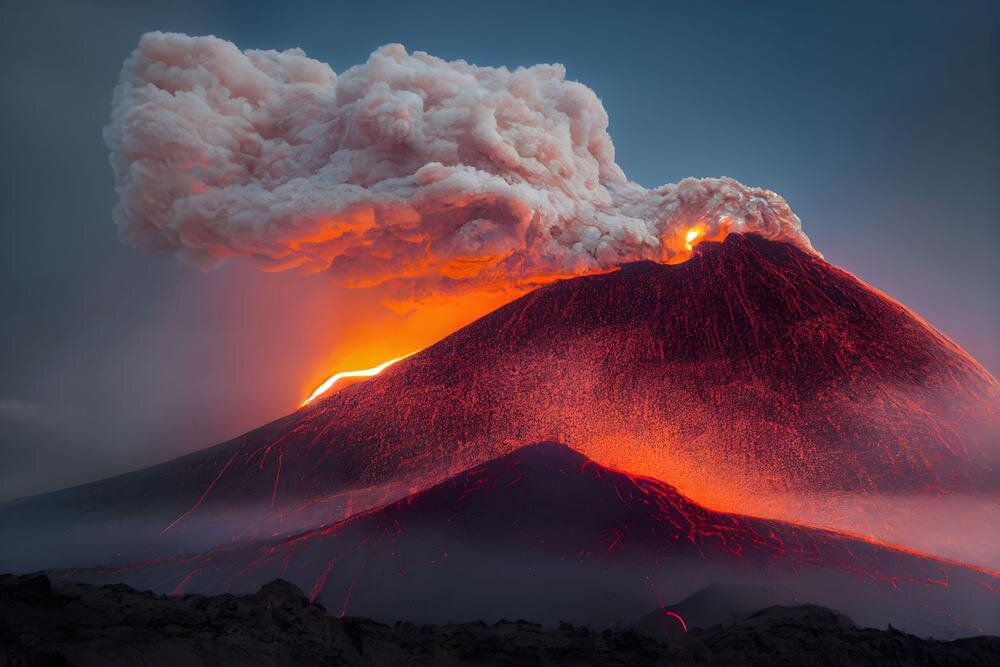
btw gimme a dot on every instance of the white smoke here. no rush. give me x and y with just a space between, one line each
438 176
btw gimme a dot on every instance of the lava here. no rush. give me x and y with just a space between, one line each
342 375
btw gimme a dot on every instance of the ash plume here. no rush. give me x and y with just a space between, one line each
433 176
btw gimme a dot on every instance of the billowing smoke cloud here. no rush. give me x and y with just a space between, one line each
437 176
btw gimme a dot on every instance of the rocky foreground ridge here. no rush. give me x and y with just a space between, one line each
80 624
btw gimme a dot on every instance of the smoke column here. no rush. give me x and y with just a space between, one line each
428 176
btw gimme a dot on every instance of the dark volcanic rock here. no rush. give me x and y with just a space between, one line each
815 635
78 624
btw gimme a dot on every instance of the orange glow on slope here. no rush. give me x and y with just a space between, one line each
363 373
378 329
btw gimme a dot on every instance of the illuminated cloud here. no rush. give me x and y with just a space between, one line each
434 176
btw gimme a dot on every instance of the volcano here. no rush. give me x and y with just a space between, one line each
755 377
546 532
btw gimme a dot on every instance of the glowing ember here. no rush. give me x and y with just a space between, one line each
690 237
364 373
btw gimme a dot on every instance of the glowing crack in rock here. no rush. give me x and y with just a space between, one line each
363 373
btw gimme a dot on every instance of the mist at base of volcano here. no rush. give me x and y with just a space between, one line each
548 533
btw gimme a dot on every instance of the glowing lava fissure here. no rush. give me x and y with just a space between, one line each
342 375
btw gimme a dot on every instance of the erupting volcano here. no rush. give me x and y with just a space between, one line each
795 380
730 406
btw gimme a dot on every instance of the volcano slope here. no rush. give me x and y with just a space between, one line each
755 376
546 533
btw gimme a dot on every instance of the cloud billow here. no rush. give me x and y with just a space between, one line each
432 176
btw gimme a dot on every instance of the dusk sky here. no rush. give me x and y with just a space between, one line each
877 122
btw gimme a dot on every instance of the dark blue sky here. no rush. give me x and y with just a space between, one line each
877 122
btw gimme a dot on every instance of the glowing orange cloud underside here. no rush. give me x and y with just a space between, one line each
364 373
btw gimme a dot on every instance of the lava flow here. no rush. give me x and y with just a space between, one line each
343 375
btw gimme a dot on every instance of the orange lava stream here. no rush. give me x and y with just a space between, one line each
363 373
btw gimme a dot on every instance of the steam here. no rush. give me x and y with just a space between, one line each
434 176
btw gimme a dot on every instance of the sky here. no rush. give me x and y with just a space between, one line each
877 122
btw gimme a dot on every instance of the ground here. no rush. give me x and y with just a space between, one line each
80 624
